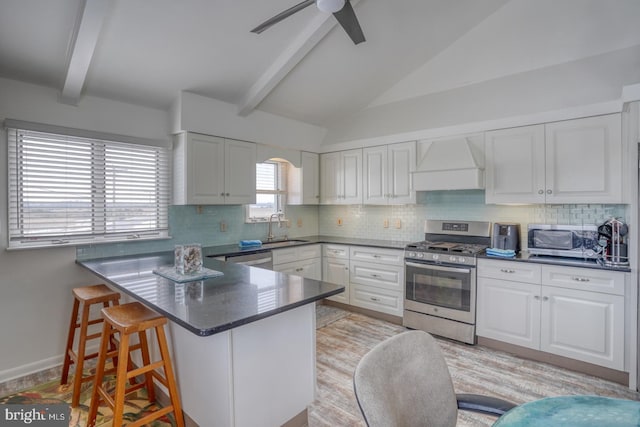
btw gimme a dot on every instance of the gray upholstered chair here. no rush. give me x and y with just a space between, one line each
405 381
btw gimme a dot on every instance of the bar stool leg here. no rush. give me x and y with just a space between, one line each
102 357
82 344
146 361
121 380
70 338
168 374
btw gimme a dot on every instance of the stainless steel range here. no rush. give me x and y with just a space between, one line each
440 278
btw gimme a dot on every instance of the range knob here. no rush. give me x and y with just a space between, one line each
452 258
420 255
435 257
412 254
462 260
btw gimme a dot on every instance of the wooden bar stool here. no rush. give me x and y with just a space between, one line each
86 296
127 320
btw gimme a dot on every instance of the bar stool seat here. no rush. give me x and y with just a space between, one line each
127 320
85 296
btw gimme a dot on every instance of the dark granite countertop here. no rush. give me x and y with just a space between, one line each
524 256
242 295
234 249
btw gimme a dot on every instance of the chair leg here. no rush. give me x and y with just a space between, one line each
97 382
70 337
169 376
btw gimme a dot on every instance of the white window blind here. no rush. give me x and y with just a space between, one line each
66 189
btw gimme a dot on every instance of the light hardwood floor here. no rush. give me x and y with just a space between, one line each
474 369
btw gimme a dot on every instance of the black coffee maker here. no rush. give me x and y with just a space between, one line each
612 237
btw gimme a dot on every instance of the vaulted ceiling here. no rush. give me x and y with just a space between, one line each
306 68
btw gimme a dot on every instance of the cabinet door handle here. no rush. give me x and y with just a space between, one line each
228 194
507 270
545 298
222 194
580 279
549 191
537 297
540 191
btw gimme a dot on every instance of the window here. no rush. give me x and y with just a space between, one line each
270 191
66 189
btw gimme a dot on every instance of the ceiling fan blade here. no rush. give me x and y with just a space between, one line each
282 15
347 18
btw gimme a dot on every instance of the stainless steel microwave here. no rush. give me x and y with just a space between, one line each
575 241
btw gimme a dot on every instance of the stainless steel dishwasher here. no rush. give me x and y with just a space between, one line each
260 259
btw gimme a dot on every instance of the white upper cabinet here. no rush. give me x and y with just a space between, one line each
584 160
341 177
514 165
212 170
304 182
574 161
387 174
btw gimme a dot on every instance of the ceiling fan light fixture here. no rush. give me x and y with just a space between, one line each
330 6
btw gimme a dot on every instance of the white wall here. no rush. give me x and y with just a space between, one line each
594 80
209 116
35 285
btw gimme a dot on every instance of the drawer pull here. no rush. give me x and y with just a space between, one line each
375 299
377 256
375 275
580 279
299 269
507 270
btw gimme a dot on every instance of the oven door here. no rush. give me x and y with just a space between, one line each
440 290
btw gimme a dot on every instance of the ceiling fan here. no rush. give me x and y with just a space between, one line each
341 9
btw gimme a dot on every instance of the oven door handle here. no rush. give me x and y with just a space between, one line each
437 267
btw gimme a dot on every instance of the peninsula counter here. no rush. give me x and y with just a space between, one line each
243 344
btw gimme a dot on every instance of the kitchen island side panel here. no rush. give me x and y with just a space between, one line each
262 373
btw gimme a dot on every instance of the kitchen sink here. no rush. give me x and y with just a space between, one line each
280 243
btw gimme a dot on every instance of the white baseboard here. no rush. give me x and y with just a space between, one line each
30 368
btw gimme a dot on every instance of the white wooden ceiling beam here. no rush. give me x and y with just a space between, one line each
91 16
288 59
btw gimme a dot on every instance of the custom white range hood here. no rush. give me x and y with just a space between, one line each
450 164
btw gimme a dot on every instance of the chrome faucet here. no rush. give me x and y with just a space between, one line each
270 235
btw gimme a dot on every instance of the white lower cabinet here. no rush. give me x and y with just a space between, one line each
583 325
572 312
335 269
509 312
376 279
305 261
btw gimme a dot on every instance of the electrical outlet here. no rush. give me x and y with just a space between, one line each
339 221
398 223
223 226
385 223
299 222
199 209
